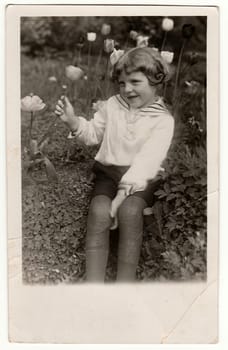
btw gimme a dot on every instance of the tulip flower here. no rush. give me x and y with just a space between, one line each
52 79
105 29
142 41
81 42
74 73
32 103
115 56
167 56
133 34
91 36
167 24
109 45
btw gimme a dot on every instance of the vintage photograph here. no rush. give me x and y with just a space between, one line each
113 145
112 170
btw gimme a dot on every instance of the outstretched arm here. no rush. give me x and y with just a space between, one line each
89 132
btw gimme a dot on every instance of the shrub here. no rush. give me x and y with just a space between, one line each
180 213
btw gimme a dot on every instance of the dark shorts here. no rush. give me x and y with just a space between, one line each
107 179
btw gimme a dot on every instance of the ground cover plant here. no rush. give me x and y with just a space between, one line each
56 171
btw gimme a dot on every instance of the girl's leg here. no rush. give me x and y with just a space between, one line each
97 238
130 217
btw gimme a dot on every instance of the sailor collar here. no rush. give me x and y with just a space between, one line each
154 110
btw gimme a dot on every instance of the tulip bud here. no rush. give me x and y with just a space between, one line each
52 79
91 36
167 56
32 103
188 31
64 89
115 56
105 29
133 34
142 41
167 24
74 73
80 42
109 45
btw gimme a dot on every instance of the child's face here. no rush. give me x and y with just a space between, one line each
136 90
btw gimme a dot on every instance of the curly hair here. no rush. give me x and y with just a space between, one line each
145 60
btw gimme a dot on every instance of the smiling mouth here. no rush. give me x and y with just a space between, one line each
131 97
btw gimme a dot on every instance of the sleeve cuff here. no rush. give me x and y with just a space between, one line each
132 188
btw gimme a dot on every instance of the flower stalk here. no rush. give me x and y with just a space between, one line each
178 72
107 85
31 124
164 41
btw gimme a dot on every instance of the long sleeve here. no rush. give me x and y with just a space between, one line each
91 132
147 162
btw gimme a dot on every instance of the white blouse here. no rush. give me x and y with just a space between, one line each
137 138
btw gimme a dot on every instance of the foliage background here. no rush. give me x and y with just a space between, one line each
54 214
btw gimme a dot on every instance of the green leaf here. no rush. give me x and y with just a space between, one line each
43 144
33 147
50 170
171 196
160 193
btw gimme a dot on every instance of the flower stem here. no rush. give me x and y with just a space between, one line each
79 57
89 54
96 70
178 70
99 58
88 75
164 41
107 78
164 90
30 128
48 130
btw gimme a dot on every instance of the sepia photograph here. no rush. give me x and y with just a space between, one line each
114 156
113 162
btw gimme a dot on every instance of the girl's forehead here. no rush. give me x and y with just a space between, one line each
131 75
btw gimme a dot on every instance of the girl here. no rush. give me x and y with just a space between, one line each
134 130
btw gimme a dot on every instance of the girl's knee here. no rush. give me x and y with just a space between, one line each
100 207
131 208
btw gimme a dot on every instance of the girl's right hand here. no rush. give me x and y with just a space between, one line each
65 110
